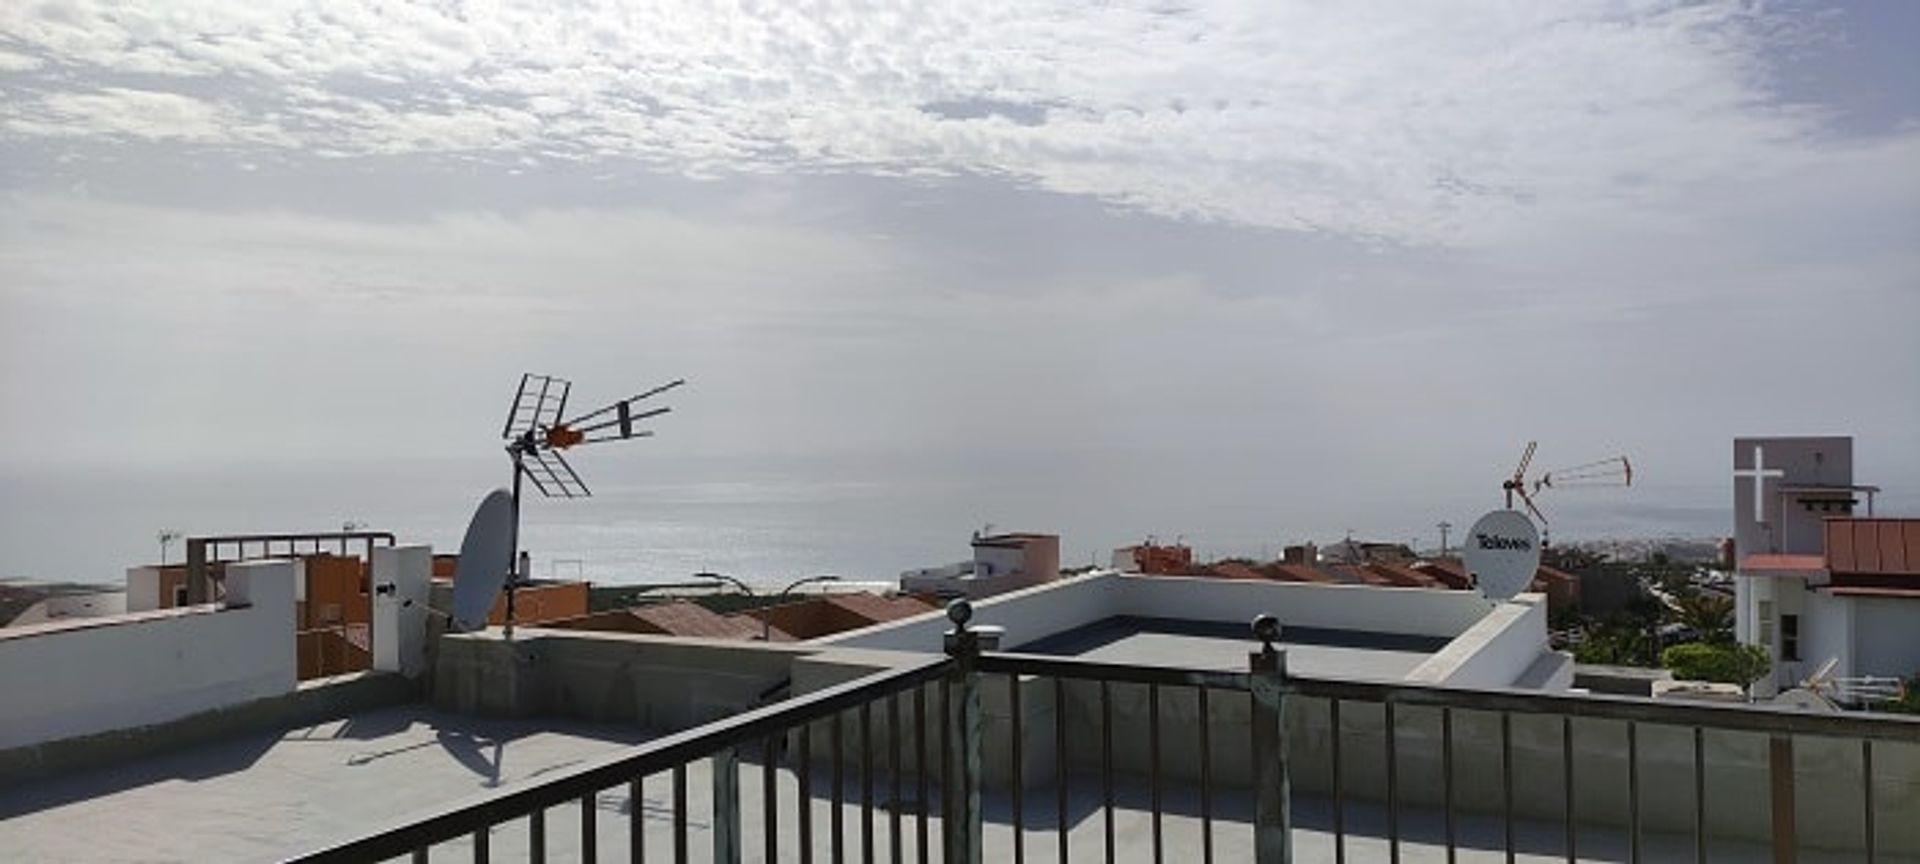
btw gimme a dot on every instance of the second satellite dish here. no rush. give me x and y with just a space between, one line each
1502 553
485 556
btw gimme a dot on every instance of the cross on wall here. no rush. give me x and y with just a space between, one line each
1759 474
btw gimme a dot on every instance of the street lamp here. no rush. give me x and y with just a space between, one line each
766 621
721 577
166 538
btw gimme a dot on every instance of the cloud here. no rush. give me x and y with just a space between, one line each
1455 123
119 112
11 62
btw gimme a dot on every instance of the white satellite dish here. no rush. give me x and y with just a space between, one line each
1502 553
1804 699
485 556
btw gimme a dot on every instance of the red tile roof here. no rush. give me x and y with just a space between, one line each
1296 572
1873 546
682 618
1355 573
1796 563
876 609
1233 570
1449 571
1404 576
1869 591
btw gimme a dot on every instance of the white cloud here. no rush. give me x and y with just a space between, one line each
145 114
11 62
1427 123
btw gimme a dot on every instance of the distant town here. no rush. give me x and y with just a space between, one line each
1797 626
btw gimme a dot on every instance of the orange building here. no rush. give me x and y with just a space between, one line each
535 601
827 614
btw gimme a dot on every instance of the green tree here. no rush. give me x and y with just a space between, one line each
1909 701
1710 615
1724 662
1615 646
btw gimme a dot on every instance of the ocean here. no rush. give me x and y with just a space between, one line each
766 522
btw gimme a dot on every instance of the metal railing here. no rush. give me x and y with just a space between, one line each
961 681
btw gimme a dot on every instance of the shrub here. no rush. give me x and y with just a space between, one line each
1726 663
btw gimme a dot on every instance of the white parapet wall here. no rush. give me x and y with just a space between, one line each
1364 608
88 676
1499 650
1026 614
401 579
1059 606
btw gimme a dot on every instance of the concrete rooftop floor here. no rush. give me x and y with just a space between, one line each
269 795
1208 645
263 796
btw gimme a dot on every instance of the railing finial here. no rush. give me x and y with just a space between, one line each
1266 628
960 612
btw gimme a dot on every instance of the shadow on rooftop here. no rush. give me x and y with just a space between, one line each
189 765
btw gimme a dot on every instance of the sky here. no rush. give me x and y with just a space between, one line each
1351 255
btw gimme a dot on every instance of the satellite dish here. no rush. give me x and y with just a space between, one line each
1805 699
485 556
1502 553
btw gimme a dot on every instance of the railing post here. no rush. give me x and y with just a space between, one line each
961 774
1272 823
726 806
1780 773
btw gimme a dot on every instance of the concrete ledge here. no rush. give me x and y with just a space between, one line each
312 702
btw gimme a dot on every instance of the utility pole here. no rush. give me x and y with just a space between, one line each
1444 528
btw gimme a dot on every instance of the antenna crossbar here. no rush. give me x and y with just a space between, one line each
537 405
617 406
554 482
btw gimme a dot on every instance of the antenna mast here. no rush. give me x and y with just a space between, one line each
1615 471
535 435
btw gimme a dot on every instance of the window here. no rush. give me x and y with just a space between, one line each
1766 623
1790 637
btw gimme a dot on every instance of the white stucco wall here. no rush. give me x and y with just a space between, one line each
1414 611
143 589
1496 651
1826 631
1493 648
1026 614
400 614
1886 636
102 674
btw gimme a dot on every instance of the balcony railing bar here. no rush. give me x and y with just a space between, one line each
1566 773
1769 719
1339 785
803 775
1106 763
1206 778
836 828
897 741
866 782
1062 778
961 733
1392 736
920 773
1016 781
675 751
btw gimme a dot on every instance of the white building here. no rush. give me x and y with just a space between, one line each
1001 563
1814 582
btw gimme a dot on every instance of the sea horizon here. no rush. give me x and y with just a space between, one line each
767 527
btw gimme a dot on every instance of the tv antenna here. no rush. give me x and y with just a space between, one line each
535 434
1615 471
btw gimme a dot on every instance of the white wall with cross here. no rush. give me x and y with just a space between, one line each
1764 518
